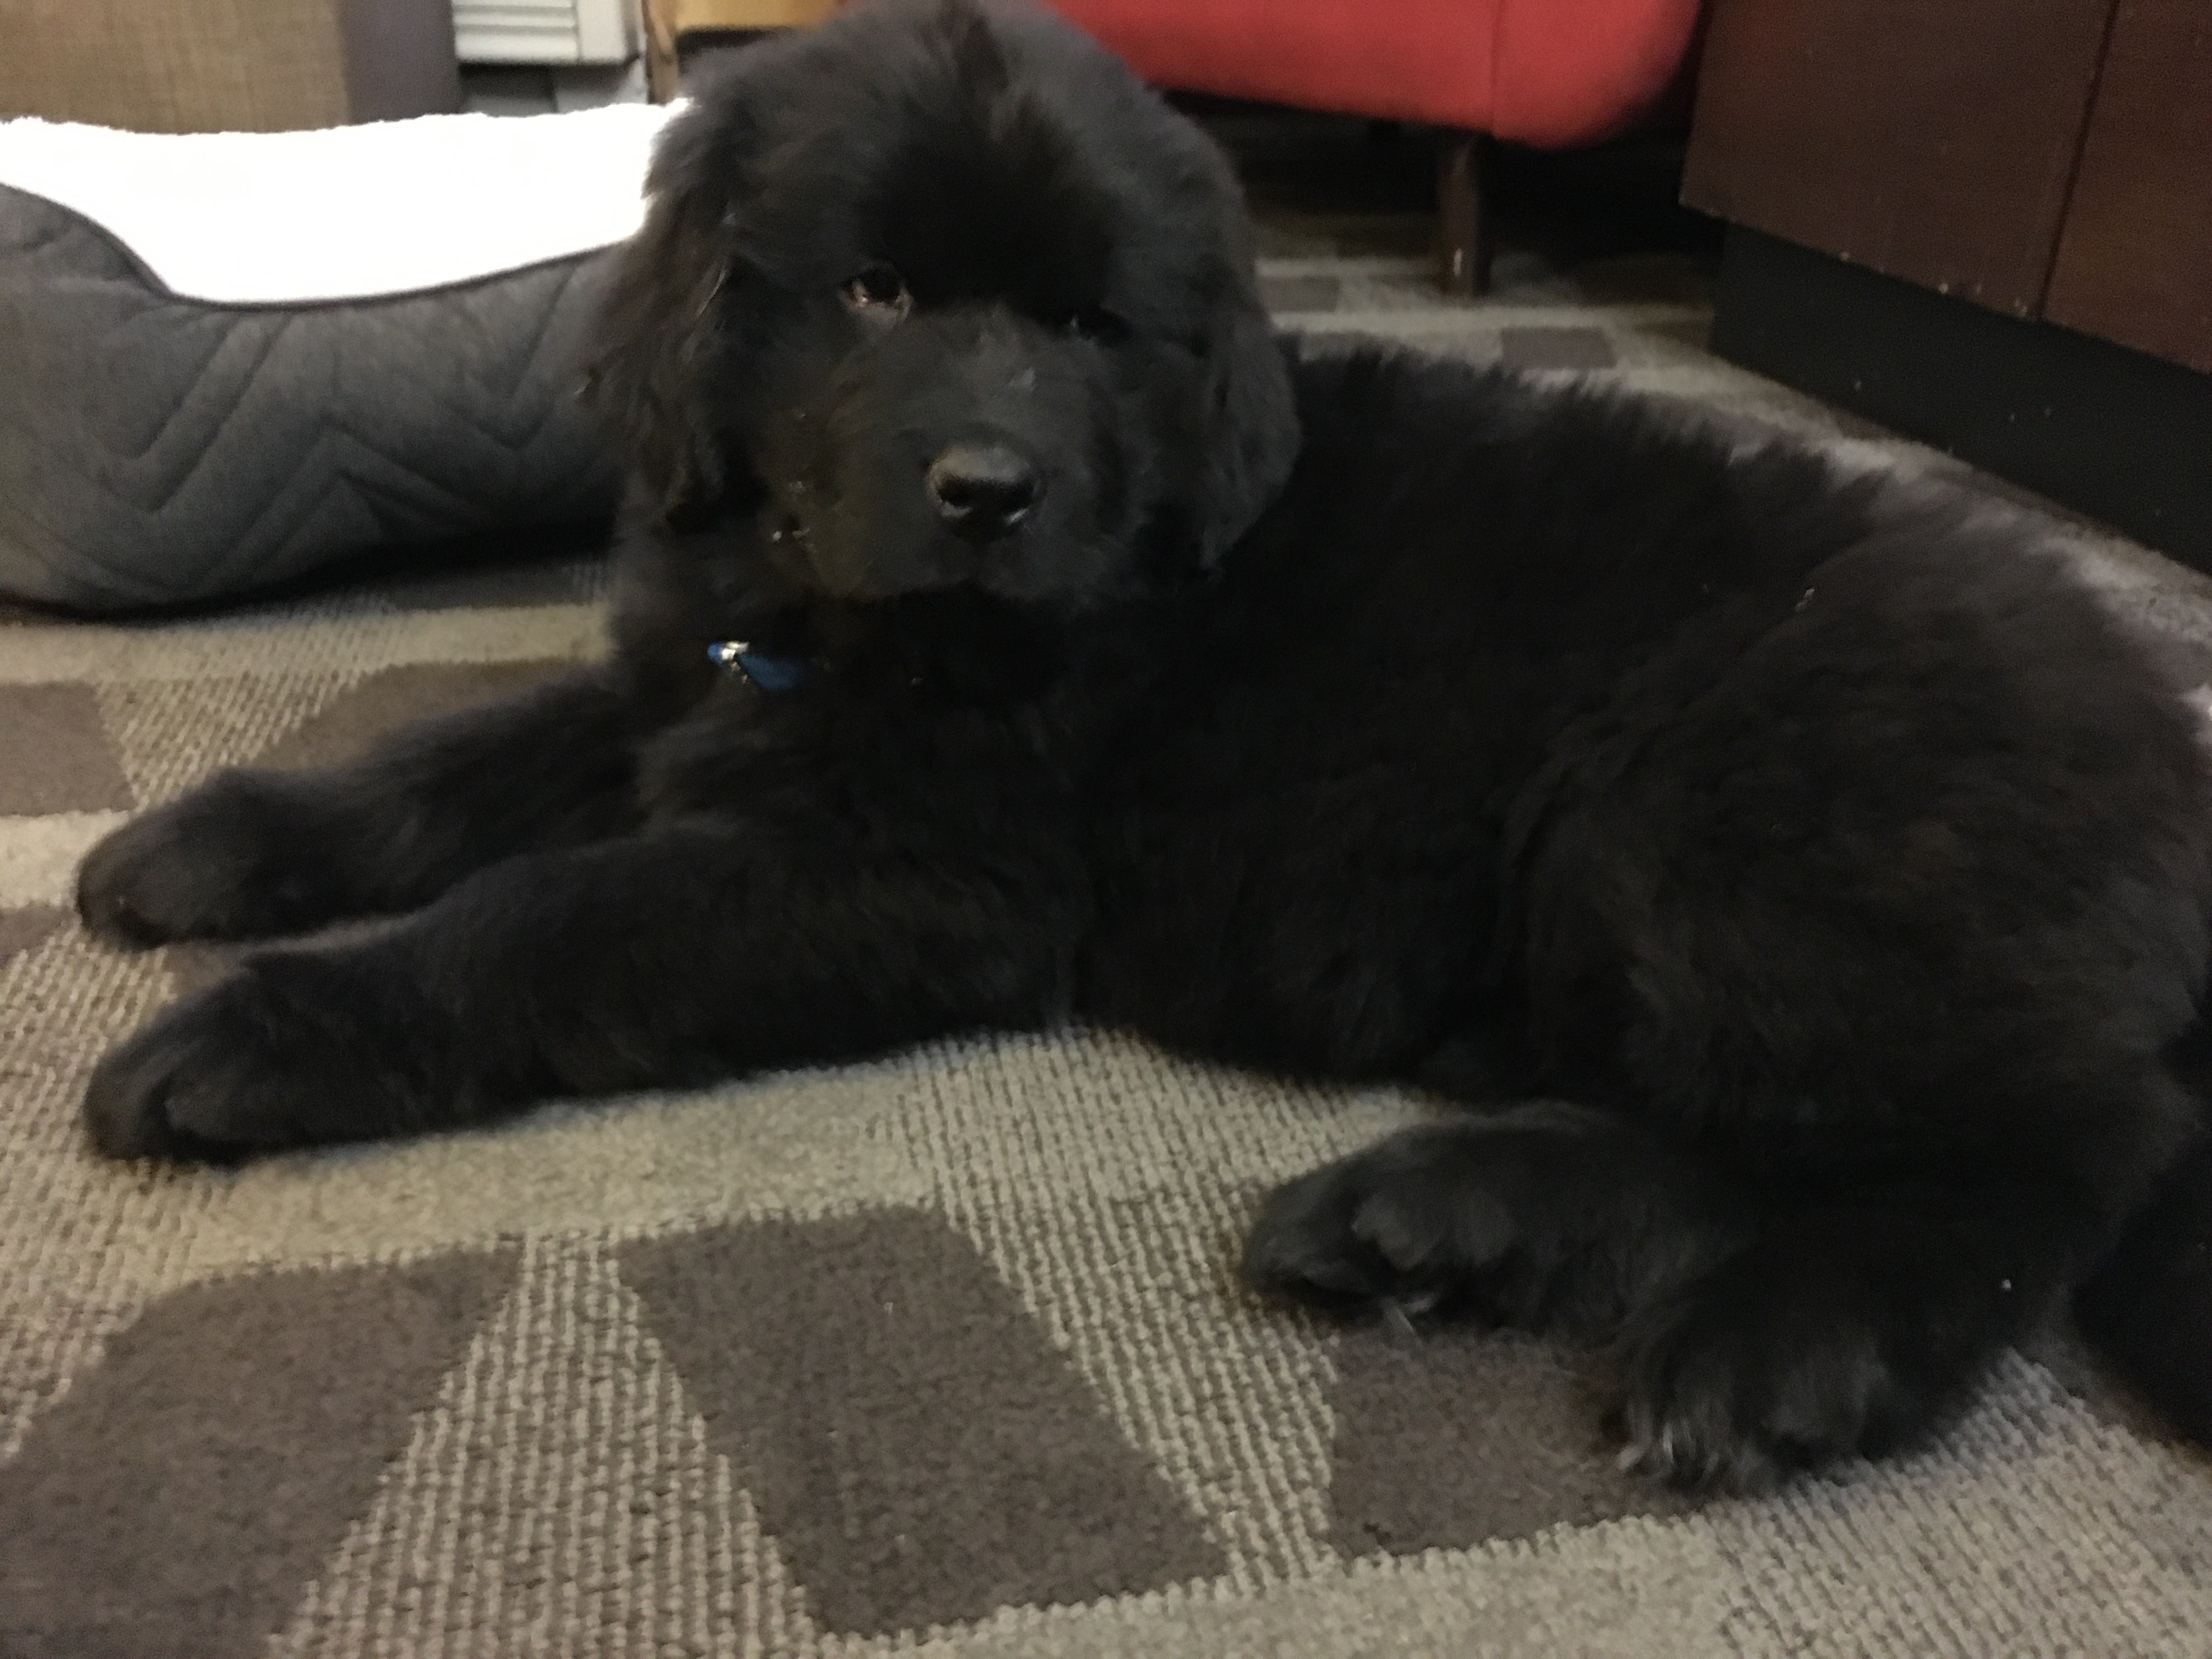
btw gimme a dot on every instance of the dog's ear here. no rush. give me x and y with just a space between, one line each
657 324
1250 430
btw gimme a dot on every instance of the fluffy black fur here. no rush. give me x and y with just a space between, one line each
1810 886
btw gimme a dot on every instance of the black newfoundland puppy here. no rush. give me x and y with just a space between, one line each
1810 889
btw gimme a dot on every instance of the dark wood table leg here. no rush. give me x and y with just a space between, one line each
1463 224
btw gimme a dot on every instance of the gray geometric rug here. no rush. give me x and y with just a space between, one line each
942 1354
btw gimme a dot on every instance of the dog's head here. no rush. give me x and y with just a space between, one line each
946 297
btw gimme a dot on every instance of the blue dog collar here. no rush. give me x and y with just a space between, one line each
771 674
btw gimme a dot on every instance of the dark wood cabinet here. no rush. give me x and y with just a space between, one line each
2044 158
1932 140
1985 222
2134 256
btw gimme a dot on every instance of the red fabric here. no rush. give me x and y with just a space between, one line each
1547 72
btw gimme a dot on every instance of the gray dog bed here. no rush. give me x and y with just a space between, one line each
227 359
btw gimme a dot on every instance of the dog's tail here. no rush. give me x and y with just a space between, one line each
2148 1307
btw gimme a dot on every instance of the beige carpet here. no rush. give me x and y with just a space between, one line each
941 1355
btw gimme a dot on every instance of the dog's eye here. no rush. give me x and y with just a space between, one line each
1097 323
879 287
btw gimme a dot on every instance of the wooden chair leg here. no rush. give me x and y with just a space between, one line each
1462 218
662 72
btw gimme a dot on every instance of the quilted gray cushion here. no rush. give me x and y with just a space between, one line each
155 449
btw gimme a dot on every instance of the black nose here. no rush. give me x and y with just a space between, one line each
983 490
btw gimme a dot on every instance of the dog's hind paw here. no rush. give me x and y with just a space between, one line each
1351 1238
1757 1375
1505 1217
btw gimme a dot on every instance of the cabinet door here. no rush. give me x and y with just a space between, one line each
1932 140
2135 259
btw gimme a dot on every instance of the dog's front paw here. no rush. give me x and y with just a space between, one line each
1757 1375
281 1053
233 859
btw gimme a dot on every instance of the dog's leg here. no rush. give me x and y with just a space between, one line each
1864 1311
1545 1216
252 854
687 953
1854 1325
1760 1332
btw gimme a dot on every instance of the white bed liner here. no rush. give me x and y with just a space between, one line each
341 213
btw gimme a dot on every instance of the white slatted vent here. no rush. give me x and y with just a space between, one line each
545 31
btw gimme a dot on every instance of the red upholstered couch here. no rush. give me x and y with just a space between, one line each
1552 73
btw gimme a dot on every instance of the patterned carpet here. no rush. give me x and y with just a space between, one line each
939 1355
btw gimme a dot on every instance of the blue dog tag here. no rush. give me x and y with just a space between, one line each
771 674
